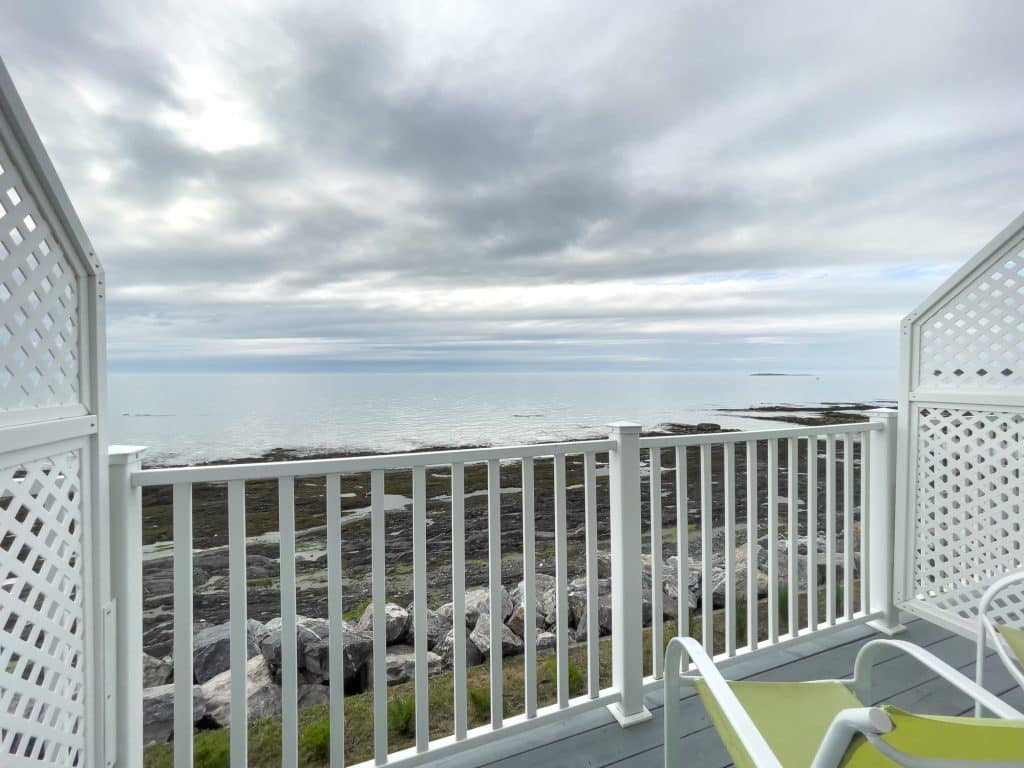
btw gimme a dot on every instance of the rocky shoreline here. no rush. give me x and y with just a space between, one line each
210 601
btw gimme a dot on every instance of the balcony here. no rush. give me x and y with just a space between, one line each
497 504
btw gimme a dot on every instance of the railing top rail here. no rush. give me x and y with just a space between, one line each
717 438
215 473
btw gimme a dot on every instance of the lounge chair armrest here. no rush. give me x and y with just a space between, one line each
753 742
870 721
868 655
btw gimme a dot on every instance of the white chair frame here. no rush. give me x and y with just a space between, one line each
869 721
987 632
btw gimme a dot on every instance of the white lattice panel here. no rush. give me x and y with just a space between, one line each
976 339
39 321
968 505
41 659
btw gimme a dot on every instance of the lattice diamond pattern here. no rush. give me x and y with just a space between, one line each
977 338
38 304
41 657
968 506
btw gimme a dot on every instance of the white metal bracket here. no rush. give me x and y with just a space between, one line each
110 682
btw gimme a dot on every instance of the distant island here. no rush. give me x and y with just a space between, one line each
808 375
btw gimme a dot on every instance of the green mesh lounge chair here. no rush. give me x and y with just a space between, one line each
1007 640
825 724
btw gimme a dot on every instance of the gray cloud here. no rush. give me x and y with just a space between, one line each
653 184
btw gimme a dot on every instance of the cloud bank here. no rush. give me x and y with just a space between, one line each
394 186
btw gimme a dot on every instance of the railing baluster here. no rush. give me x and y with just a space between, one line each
865 522
419 576
682 545
848 526
593 629
378 596
239 625
707 616
494 583
561 580
729 471
181 497
792 518
773 540
812 533
529 590
752 553
289 649
830 530
336 628
459 599
657 608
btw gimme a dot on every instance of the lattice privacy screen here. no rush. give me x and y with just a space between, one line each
41 618
52 464
964 439
968 503
977 339
38 304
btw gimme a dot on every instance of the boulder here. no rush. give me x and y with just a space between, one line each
158 711
313 694
263 695
478 603
511 644
518 623
446 610
437 626
546 641
155 671
445 648
397 623
307 630
604 618
211 646
544 592
357 650
401 664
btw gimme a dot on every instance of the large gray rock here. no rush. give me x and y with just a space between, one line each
547 641
158 711
445 648
518 623
263 695
437 623
211 649
307 630
543 586
604 619
397 623
357 650
511 644
313 694
155 671
401 664
478 603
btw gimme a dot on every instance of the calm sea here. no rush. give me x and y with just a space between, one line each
187 417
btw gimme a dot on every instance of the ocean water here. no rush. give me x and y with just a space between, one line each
189 417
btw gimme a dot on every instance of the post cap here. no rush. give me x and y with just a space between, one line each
122 454
625 426
883 414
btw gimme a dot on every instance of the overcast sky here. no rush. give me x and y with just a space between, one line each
434 185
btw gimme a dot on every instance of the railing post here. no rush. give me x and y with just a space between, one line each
881 508
627 575
126 589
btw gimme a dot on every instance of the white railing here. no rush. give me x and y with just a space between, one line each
718 457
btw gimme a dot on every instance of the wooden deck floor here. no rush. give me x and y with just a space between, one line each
594 739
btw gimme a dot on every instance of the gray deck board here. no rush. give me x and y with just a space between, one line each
594 740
